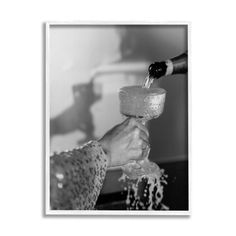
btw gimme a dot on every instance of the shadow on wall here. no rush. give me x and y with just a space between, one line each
78 116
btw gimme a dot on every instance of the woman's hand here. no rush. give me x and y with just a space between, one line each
126 142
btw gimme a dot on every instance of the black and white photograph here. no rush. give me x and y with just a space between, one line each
117 115
117 118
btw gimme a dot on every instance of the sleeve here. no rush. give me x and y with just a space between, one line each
76 177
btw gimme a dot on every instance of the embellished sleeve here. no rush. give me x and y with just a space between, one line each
76 177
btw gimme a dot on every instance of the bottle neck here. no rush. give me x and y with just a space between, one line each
176 65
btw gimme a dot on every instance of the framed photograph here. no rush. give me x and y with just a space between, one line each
117 119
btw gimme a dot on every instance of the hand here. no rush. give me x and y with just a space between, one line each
126 142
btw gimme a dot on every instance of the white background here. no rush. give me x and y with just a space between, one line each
213 116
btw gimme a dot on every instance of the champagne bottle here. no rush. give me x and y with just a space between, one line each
176 65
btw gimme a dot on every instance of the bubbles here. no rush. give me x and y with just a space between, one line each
141 102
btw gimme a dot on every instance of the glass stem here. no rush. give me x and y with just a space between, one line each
145 123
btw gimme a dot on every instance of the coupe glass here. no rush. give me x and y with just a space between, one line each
143 104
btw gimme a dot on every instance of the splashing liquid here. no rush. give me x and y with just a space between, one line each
145 192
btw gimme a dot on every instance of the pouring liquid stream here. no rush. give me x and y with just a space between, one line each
148 82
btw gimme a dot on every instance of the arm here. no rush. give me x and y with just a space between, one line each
77 176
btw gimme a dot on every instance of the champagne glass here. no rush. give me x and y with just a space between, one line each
143 104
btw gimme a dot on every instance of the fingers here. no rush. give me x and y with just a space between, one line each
142 127
139 153
139 139
132 122
145 152
136 154
144 136
140 134
140 144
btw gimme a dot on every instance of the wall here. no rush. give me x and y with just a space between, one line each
76 51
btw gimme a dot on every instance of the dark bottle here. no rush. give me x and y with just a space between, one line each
176 65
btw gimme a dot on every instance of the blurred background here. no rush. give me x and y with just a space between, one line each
88 66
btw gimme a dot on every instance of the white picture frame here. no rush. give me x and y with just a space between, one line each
47 210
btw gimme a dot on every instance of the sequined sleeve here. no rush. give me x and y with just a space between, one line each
76 177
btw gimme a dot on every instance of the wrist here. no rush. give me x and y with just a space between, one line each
104 146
